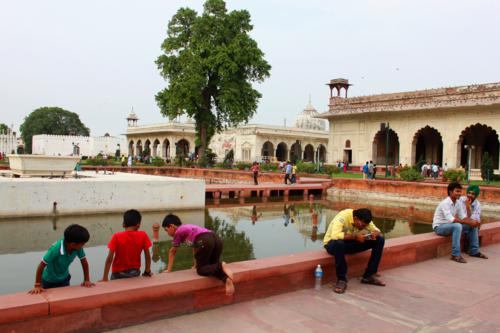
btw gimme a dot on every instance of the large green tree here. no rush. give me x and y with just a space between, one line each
3 128
210 62
51 120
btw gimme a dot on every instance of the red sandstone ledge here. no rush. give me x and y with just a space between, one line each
410 189
125 302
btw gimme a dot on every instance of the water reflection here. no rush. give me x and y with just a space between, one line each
252 230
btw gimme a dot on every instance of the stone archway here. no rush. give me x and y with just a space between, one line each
379 147
156 143
147 148
131 148
483 139
138 148
427 145
308 153
165 149
322 153
182 147
282 152
267 150
295 152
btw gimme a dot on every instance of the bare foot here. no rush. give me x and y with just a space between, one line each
229 287
226 270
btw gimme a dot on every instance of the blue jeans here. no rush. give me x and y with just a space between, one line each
456 230
339 248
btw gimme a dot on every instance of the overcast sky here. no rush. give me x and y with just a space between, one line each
96 57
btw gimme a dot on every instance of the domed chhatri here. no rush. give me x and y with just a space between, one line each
306 119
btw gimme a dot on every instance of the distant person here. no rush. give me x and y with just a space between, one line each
365 170
424 170
286 214
207 249
255 169
288 172
352 231
450 218
53 270
435 170
255 216
125 248
129 162
294 173
370 170
123 161
445 167
374 172
345 167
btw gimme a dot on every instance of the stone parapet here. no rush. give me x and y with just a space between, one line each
131 301
410 189
462 96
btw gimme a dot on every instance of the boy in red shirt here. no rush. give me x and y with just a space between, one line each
125 249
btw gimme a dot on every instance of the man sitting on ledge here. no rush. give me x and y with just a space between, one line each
453 217
352 231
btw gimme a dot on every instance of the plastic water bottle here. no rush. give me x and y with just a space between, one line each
318 274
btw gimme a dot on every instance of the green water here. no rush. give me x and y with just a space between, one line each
248 232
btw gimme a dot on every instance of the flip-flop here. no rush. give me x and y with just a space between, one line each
459 259
340 287
373 281
479 255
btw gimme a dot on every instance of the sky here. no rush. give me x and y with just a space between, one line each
97 57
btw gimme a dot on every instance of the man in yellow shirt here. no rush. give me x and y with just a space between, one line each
352 231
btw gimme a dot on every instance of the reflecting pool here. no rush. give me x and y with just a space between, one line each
253 230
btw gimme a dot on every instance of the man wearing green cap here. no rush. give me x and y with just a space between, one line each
471 204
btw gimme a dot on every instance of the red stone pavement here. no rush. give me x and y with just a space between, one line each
437 295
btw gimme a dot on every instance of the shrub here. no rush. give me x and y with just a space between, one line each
306 167
410 174
329 169
158 161
268 167
243 165
487 167
98 161
453 175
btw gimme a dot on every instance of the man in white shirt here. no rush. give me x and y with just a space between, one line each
450 218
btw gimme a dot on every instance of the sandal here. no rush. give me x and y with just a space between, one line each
459 259
340 287
373 281
479 255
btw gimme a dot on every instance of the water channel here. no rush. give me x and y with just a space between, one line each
250 231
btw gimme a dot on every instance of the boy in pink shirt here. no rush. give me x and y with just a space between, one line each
207 248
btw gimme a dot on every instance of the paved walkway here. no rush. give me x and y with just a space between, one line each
433 296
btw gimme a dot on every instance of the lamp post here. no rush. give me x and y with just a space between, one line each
469 156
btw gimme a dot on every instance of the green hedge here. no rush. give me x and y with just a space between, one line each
454 175
410 174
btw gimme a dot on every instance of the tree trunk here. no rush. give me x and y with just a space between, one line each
203 140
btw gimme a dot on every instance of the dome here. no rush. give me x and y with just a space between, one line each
306 119
132 116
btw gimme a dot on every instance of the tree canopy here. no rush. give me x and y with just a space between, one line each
210 62
3 128
51 120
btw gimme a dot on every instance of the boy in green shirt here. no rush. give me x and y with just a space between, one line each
53 270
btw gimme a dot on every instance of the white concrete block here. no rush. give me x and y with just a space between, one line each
98 193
